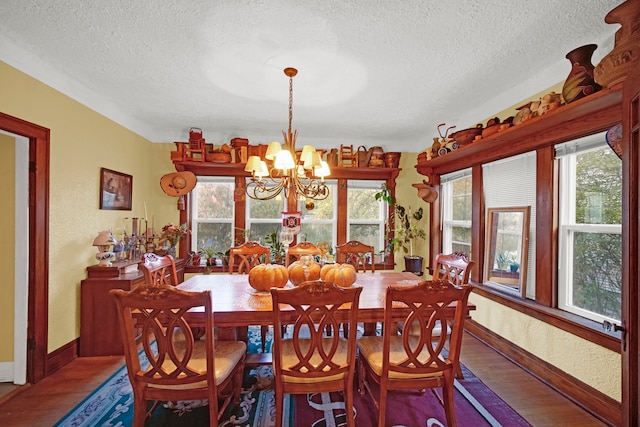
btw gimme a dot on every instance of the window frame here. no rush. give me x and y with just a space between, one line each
568 227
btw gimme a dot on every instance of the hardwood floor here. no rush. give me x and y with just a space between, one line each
44 403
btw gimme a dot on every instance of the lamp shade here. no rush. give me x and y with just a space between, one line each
323 170
307 153
272 150
104 238
263 170
284 160
253 164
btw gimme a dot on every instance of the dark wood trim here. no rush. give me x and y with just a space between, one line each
546 226
597 403
574 324
477 217
631 251
38 311
61 356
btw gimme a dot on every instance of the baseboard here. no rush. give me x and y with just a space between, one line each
605 408
6 372
61 356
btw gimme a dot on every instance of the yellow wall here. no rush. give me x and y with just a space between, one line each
592 364
83 141
407 196
7 260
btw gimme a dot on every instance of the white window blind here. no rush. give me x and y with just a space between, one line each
511 182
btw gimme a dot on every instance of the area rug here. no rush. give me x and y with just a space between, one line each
111 405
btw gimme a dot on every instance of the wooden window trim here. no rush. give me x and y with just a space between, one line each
595 113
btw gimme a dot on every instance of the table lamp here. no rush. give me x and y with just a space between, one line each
104 241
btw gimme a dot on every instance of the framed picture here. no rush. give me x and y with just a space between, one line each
116 189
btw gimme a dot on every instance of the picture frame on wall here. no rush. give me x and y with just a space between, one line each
116 190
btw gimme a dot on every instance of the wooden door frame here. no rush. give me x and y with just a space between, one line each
630 251
38 307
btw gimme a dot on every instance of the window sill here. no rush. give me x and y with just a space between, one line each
569 322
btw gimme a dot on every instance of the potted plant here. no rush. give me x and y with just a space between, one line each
277 252
405 230
210 253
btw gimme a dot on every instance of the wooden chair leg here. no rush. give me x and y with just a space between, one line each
263 337
447 397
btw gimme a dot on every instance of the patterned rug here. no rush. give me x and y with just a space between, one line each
111 404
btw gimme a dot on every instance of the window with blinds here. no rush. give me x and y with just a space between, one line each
511 182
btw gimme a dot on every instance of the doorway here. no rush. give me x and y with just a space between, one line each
38 242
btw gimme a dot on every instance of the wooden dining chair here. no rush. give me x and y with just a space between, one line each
177 366
414 362
159 270
310 361
355 253
455 267
300 249
247 256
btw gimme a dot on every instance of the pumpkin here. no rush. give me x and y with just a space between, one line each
296 272
343 275
262 277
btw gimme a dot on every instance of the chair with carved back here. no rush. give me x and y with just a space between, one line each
179 366
455 267
248 255
300 249
415 362
310 361
159 270
356 253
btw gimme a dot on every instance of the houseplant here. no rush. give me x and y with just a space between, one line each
405 230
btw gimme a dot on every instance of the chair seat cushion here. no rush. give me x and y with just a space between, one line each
370 348
288 357
228 353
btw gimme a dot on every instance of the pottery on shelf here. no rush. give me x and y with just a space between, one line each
620 62
580 81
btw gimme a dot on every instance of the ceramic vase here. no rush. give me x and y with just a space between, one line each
623 59
580 81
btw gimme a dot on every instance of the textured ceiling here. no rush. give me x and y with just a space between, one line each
371 72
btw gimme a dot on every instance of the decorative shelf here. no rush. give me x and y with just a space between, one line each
237 169
596 112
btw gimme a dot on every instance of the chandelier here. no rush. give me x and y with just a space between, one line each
300 175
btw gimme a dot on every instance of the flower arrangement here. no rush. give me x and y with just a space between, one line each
173 234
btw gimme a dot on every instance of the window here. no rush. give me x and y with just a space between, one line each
212 214
212 207
319 224
366 216
511 182
590 240
263 218
456 212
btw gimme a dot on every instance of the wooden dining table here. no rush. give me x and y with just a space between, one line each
236 303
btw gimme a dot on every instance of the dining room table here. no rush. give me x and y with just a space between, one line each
237 304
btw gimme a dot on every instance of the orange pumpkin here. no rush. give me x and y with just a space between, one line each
262 277
296 272
343 275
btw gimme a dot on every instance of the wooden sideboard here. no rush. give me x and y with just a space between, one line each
99 333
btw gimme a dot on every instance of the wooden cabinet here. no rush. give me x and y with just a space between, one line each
99 333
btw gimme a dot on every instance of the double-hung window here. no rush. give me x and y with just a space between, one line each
366 216
590 233
319 224
212 214
456 212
